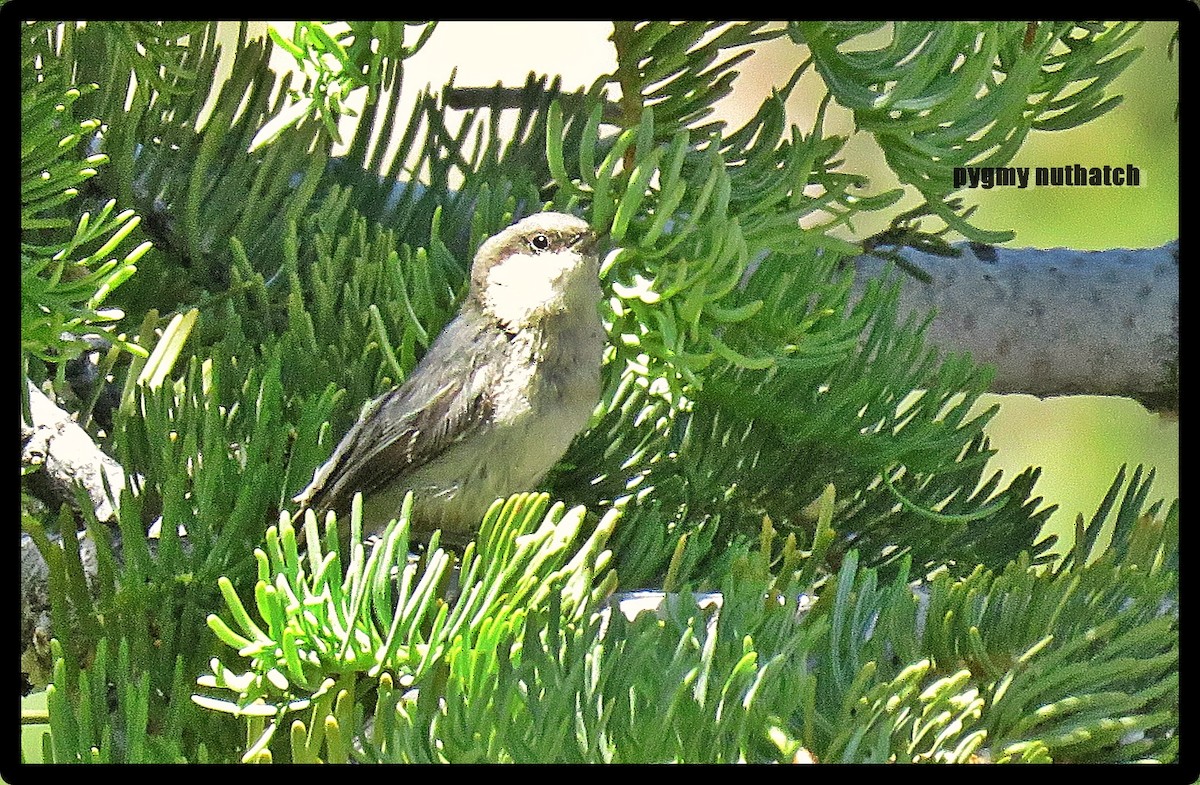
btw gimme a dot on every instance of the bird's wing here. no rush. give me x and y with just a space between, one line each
413 424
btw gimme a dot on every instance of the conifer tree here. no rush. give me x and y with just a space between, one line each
779 447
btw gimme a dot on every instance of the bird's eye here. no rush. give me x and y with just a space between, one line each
539 242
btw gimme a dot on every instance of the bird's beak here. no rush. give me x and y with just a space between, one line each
585 243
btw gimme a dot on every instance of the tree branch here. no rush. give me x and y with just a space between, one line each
499 98
1056 321
66 458
65 455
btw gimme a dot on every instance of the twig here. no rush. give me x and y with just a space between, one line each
499 98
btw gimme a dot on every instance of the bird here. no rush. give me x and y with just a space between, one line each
496 400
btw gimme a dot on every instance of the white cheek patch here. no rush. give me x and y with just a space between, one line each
524 286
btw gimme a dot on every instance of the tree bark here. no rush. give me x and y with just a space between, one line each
1056 321
61 454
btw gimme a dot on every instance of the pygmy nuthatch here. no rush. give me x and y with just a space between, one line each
496 400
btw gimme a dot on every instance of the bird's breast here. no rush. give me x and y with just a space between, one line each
545 391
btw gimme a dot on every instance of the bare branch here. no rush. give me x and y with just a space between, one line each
499 98
65 455
1056 321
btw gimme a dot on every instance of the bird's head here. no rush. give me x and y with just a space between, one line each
541 265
